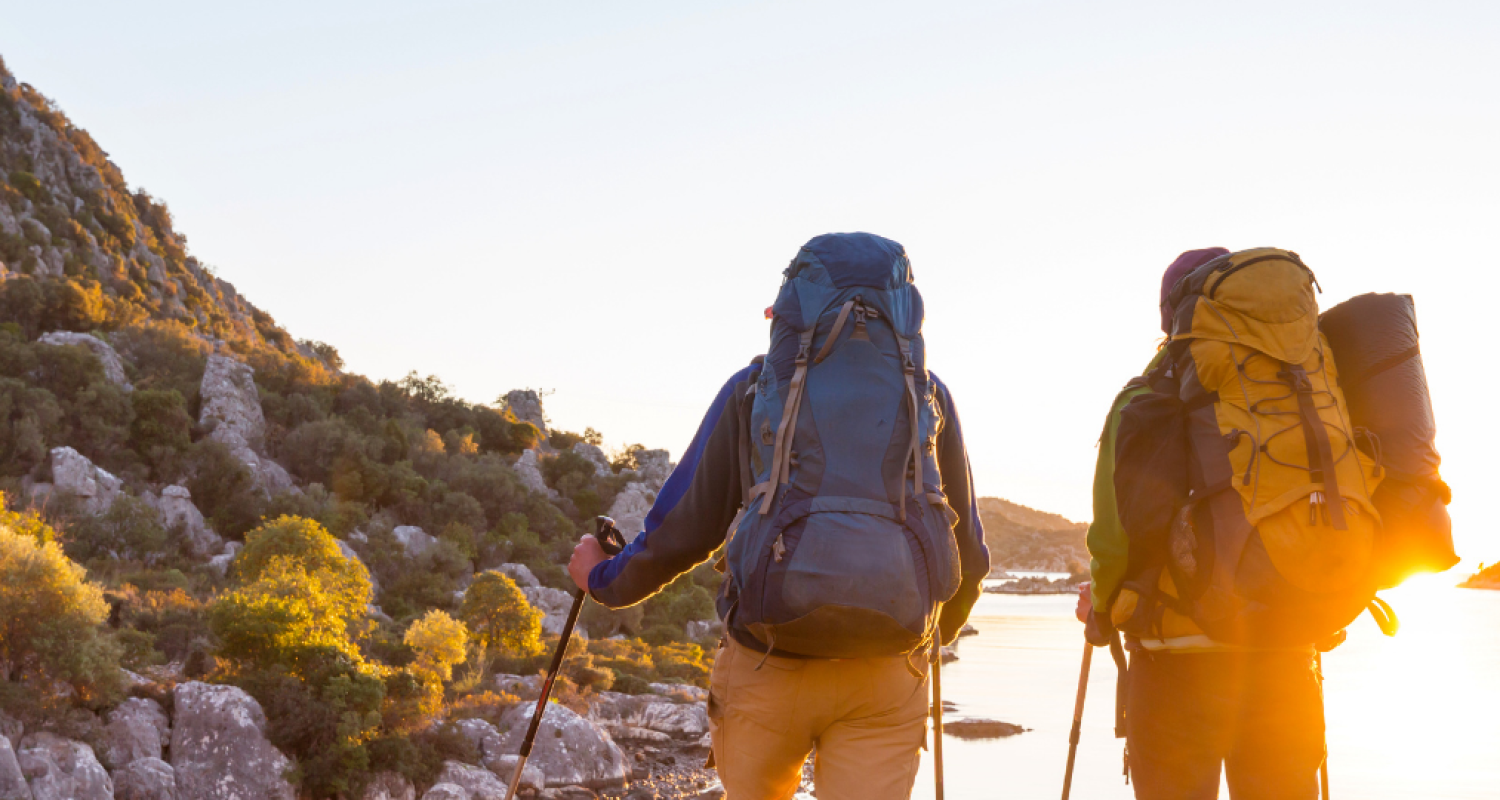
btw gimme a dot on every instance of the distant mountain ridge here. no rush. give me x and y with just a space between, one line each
1023 538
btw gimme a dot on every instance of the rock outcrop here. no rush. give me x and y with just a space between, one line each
146 779
114 368
520 573
481 784
180 514
554 605
219 747
415 541
685 721
526 405
12 780
74 475
504 767
138 728
388 786
633 503
529 470
595 455
446 791
569 749
62 769
232 413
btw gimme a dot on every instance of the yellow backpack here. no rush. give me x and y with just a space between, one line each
1272 540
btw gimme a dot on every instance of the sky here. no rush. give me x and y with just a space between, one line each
597 199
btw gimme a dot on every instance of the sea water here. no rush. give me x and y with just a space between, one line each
1414 716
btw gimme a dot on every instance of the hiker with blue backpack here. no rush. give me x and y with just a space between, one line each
833 474
1267 474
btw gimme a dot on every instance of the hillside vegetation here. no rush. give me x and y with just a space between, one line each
1022 538
191 493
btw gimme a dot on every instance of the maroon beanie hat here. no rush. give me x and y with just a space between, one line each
1185 263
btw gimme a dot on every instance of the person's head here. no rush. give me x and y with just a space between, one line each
1176 271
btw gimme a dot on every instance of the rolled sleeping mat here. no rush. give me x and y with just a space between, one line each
1375 345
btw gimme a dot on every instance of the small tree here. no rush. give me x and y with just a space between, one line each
50 620
500 619
310 546
439 641
285 618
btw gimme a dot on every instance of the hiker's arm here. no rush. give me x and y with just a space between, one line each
695 508
958 485
1109 549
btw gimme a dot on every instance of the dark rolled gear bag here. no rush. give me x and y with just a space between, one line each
1375 339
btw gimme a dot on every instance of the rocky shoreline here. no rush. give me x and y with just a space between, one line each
1034 586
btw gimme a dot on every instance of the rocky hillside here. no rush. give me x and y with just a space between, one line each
1483 578
1022 538
229 568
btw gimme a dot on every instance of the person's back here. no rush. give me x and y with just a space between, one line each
836 469
1195 705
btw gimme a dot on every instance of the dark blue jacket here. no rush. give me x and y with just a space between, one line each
696 505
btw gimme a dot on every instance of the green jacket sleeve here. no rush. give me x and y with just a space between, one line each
1109 548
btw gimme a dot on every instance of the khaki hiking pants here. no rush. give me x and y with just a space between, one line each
867 717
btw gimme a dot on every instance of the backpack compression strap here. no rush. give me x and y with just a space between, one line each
781 456
1320 462
910 368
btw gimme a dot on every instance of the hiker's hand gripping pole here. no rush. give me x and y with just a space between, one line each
610 539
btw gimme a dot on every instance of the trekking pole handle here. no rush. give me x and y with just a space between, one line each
610 540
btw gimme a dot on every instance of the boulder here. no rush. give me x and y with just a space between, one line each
231 403
175 505
595 455
11 728
653 467
519 573
479 783
554 605
529 470
138 728
73 474
527 687
388 786
631 506
526 405
476 731
948 655
682 720
704 628
569 749
12 780
504 766
568 793
631 733
681 692
114 369
62 769
446 791
146 779
219 747
967 630
415 541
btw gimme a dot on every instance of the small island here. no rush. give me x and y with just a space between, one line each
1484 578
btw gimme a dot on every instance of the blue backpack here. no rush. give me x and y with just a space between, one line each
844 547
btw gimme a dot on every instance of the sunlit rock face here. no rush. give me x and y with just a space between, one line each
219 747
146 779
232 413
570 750
73 474
526 405
62 769
138 728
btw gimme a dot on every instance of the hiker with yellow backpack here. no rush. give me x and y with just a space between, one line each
1252 493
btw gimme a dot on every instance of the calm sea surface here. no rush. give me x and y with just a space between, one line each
1415 716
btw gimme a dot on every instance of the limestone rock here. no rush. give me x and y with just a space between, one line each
179 513
415 541
704 628
114 369
389 786
527 688
633 734
519 573
12 781
231 403
530 473
630 508
554 605
684 720
653 467
476 731
138 728
74 474
595 455
481 784
11 728
568 793
62 769
219 747
681 692
526 405
447 791
569 749
504 766
146 779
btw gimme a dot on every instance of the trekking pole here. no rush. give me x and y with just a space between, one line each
1083 687
610 539
1323 769
937 717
